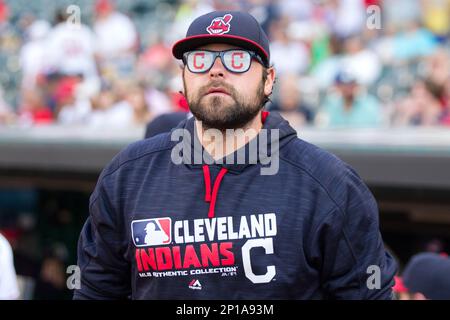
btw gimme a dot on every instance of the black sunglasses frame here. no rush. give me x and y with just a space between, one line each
221 54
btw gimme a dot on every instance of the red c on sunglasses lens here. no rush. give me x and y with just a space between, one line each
196 65
234 59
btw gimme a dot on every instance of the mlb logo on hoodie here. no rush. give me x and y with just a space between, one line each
151 232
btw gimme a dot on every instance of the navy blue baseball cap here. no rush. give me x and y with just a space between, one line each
429 274
232 27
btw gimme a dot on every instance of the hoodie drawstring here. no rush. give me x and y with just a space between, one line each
211 198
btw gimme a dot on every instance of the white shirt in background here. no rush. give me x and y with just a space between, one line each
292 57
351 17
76 114
115 35
71 50
9 289
119 115
364 65
33 53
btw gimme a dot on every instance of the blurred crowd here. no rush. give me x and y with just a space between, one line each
38 240
340 63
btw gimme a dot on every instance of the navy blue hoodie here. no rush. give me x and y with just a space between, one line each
161 230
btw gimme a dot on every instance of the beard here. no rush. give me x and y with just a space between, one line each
224 112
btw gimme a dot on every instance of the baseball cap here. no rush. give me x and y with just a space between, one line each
232 27
429 274
345 77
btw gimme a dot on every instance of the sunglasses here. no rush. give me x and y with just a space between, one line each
234 60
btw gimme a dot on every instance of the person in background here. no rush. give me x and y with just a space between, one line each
361 61
349 18
33 109
290 104
134 97
71 51
419 108
436 17
349 106
288 56
413 42
9 290
445 116
73 105
102 113
6 113
51 284
399 13
426 277
118 51
33 54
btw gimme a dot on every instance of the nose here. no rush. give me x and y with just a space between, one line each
217 70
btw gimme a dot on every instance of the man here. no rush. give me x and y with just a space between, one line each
70 51
305 227
350 106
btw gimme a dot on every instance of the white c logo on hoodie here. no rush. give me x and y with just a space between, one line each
267 244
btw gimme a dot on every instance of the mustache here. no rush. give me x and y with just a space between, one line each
214 84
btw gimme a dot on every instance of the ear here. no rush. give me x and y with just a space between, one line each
268 85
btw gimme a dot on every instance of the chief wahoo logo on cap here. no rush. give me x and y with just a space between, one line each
220 25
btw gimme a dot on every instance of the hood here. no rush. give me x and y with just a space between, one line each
275 134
